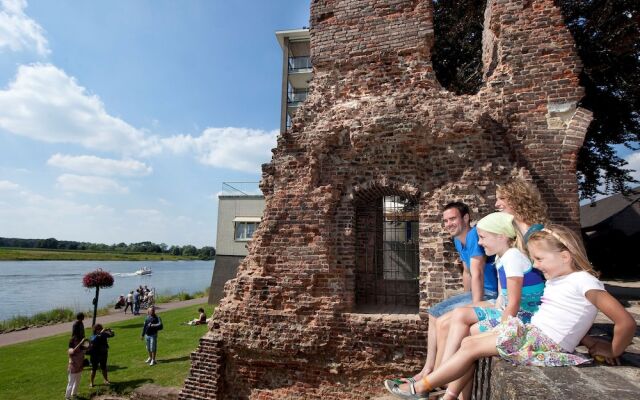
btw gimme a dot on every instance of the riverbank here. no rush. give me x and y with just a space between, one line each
19 254
26 335
61 315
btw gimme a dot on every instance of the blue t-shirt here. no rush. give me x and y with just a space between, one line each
471 248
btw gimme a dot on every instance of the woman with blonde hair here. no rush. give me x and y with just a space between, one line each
522 200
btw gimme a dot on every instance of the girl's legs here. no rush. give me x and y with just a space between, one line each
72 386
93 376
434 345
443 332
461 320
459 365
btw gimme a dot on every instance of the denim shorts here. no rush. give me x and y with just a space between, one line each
152 343
457 301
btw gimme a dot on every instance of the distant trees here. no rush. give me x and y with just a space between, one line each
204 253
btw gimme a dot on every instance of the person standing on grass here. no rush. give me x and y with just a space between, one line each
77 329
152 324
99 351
76 364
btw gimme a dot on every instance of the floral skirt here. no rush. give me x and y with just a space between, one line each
525 344
489 318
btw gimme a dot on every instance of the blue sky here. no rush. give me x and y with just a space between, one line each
119 120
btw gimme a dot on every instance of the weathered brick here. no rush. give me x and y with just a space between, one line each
377 122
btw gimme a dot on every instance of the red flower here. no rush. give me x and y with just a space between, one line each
97 278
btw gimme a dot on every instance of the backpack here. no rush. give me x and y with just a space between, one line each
159 328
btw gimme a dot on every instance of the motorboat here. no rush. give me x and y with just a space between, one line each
144 271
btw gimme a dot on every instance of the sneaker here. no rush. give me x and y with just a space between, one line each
147 360
153 362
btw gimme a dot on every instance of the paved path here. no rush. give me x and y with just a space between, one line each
50 330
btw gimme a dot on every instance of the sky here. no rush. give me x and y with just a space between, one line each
120 120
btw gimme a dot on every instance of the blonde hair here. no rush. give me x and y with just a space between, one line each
558 238
525 201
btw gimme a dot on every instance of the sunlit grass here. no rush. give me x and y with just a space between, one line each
37 369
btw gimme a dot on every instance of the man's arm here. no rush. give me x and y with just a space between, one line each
477 278
466 278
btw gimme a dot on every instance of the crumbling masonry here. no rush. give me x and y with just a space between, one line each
299 320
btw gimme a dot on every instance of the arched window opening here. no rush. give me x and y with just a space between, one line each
457 50
387 255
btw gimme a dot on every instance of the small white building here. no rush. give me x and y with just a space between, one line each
240 209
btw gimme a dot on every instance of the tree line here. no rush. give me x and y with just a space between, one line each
204 253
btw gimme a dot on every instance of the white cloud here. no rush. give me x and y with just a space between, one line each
634 163
8 186
89 184
241 149
44 103
144 212
99 166
18 32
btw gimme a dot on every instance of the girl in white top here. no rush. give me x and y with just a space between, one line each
572 297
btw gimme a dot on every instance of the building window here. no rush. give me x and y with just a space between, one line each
244 230
387 252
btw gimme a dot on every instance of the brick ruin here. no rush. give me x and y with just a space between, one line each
299 320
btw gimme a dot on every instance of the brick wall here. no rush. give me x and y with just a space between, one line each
377 122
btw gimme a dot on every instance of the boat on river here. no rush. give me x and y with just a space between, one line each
144 271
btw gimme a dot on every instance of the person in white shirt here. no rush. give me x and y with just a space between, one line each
572 297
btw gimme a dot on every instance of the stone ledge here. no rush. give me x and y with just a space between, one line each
551 383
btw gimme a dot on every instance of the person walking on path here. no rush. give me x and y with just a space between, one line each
76 364
152 324
99 351
136 302
129 302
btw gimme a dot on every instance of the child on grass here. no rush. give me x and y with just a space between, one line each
572 297
76 364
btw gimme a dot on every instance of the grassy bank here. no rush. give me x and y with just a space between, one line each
15 254
50 317
59 315
37 370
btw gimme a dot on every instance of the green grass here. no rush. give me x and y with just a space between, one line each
17 254
37 369
54 316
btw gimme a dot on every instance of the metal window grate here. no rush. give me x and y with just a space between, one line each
387 256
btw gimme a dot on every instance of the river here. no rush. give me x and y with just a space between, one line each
29 287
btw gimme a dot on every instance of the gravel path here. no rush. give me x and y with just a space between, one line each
50 330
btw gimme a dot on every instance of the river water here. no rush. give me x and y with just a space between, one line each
28 287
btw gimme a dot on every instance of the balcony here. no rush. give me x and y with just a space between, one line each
242 189
295 98
299 64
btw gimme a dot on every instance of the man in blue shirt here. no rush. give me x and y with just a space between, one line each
152 324
479 276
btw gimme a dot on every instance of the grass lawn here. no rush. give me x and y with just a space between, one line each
38 369
17 254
